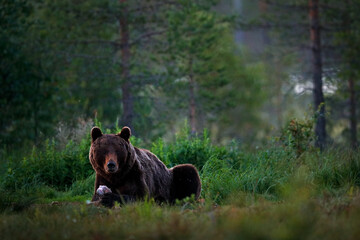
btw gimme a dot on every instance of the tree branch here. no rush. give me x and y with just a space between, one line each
156 6
146 35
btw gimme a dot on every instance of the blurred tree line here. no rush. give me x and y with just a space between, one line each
152 64
145 64
314 42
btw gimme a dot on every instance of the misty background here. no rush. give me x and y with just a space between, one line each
240 69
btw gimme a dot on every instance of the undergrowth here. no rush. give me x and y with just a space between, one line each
282 191
298 217
52 173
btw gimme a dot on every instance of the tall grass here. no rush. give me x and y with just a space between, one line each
225 171
49 166
283 191
186 149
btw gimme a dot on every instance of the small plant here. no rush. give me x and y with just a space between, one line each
187 148
299 135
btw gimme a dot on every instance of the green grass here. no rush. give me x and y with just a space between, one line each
299 217
276 192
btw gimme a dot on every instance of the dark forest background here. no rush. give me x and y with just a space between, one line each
260 95
242 69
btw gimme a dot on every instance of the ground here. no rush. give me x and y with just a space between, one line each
248 217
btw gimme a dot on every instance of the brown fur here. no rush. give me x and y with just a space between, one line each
134 174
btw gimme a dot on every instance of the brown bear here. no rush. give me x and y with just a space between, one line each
126 173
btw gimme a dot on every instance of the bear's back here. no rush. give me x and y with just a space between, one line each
157 175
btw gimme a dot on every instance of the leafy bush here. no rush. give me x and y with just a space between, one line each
299 135
258 173
196 150
50 166
225 171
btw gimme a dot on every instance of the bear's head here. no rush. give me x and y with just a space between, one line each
111 154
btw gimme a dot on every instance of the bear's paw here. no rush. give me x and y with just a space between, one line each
102 190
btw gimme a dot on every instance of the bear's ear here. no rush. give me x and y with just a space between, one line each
125 133
95 133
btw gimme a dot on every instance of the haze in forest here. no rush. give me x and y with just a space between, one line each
241 69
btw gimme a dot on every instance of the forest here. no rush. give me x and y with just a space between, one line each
260 95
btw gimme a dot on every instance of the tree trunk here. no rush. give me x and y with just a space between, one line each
192 104
279 103
126 86
352 94
35 110
353 120
318 95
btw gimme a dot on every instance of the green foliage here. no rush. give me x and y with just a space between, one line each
28 89
297 217
82 187
186 149
260 173
16 201
285 191
336 168
205 60
225 172
229 170
49 166
299 135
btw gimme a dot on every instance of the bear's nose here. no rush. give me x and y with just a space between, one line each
111 165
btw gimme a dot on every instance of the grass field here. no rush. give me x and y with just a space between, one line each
246 218
276 192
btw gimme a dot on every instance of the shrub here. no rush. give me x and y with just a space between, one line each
224 170
50 166
196 150
262 172
299 135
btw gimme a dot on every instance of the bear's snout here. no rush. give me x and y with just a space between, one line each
111 166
